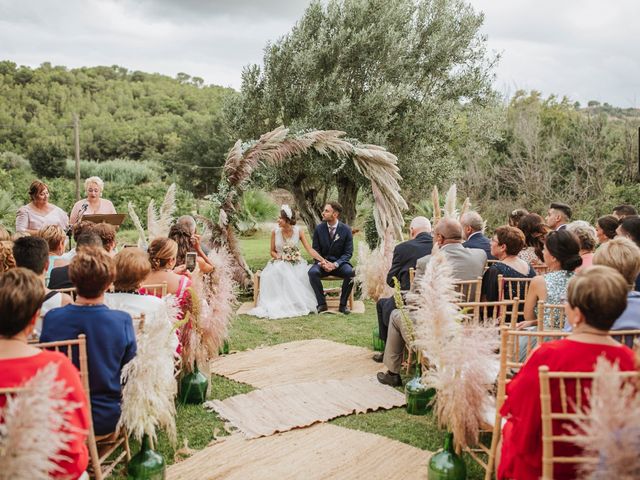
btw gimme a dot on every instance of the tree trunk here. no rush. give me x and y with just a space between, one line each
348 197
307 202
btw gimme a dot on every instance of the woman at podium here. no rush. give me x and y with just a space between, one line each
94 203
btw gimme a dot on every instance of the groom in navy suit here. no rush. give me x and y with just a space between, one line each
333 240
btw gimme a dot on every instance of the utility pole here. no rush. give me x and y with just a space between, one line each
76 138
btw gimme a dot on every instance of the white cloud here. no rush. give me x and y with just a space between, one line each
586 49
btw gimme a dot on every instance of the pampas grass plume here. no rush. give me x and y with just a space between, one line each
373 267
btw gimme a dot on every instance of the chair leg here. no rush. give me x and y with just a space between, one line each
94 456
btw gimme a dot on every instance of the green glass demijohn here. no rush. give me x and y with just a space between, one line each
147 464
446 464
378 343
224 349
417 395
193 387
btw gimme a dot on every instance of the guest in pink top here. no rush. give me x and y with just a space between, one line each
39 212
93 204
588 240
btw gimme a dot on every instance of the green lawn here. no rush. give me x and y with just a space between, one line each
198 427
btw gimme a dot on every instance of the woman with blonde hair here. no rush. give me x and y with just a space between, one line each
55 238
162 254
39 212
93 204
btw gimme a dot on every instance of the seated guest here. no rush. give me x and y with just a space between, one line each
623 211
473 233
39 212
162 254
558 216
516 215
77 230
188 242
132 267
466 264
562 256
405 256
587 237
595 299
189 223
32 253
111 341
60 275
535 231
7 261
93 204
55 238
505 245
606 228
623 255
21 293
107 234
630 228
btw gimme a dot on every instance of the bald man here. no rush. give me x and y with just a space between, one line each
405 256
466 263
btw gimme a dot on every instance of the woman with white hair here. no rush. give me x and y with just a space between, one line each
587 236
94 203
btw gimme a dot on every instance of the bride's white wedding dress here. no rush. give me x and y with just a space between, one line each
285 290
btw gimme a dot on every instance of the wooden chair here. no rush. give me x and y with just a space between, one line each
504 312
256 287
510 364
71 291
555 314
470 290
508 285
571 407
138 322
540 268
412 277
630 338
108 445
155 288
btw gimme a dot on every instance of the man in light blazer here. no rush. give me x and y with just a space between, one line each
466 264
334 241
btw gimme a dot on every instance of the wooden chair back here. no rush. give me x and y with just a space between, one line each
630 338
550 316
504 312
511 287
77 350
157 289
540 268
71 291
256 287
572 390
470 290
510 364
412 277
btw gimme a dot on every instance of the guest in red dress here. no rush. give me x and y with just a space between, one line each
596 298
21 294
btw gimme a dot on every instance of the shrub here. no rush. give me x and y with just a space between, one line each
13 161
120 170
47 157
8 209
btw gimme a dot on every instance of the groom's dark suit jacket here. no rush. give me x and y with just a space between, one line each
340 249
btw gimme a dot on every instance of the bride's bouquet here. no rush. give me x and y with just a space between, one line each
291 254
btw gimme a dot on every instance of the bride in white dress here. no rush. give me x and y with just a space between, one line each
285 290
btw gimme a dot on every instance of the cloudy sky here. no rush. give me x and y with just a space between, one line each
585 49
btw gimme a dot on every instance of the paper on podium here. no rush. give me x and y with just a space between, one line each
114 219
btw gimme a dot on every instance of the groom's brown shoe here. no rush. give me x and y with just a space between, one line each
322 308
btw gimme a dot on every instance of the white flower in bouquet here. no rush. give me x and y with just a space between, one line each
291 254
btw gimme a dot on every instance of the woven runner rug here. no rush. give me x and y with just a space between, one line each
296 362
319 452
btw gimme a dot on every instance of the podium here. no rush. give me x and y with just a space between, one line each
114 219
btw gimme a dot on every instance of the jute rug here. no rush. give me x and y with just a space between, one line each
320 452
296 362
284 407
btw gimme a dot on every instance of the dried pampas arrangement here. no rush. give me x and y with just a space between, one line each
158 225
36 427
460 353
211 308
450 202
610 430
150 386
373 266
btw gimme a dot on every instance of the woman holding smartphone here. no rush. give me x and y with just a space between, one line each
190 251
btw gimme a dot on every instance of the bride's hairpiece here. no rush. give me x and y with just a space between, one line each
287 211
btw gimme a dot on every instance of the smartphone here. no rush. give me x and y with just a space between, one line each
190 261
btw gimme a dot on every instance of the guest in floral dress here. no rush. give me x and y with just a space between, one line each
535 230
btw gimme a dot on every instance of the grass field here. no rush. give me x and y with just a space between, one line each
198 427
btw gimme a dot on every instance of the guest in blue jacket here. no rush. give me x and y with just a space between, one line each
111 341
473 231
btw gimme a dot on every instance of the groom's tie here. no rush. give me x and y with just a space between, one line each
332 232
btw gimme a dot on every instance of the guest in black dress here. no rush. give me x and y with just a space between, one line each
506 243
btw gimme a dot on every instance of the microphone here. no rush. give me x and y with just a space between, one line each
84 206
